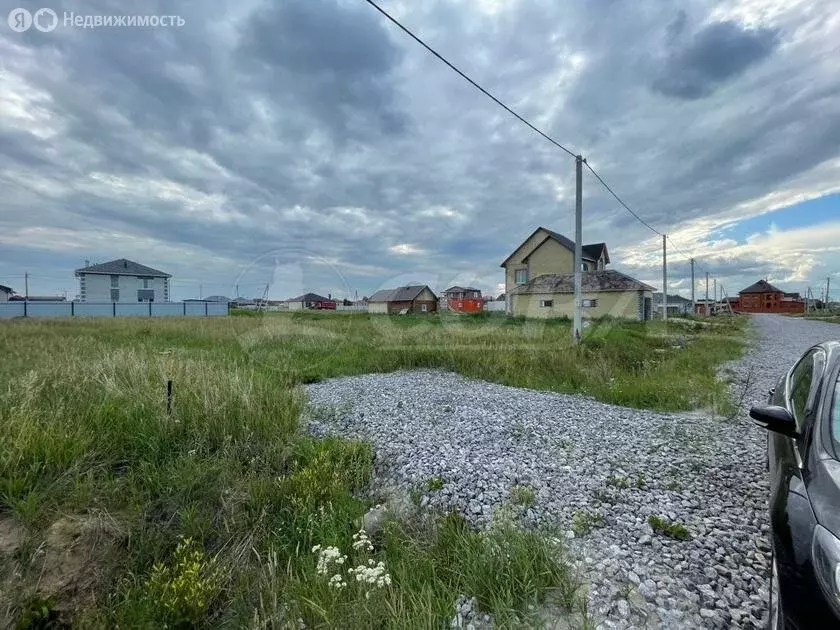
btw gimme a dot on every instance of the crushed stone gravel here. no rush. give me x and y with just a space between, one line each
596 472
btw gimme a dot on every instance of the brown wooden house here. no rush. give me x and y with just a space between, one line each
411 299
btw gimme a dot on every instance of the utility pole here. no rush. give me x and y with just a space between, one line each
707 294
237 291
693 304
827 285
715 308
200 291
577 325
664 280
26 285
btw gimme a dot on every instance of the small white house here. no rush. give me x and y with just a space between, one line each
122 281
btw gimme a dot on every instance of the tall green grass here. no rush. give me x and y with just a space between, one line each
217 496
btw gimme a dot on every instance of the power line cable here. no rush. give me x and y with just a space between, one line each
621 201
467 78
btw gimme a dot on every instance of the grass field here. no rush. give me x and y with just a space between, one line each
832 315
121 507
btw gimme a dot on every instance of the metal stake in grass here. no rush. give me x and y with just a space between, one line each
169 397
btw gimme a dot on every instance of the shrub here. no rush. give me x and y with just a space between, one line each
433 484
583 521
618 482
522 495
183 590
674 530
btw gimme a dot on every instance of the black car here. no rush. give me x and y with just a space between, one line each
803 449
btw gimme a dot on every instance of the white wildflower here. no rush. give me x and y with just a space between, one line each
327 556
337 581
361 542
374 574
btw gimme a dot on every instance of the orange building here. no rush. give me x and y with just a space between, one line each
463 299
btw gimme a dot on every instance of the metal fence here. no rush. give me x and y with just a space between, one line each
112 309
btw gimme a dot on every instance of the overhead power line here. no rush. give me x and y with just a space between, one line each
621 201
467 78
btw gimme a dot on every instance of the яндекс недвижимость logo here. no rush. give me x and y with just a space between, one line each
44 20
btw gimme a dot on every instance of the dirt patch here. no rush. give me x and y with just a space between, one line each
71 562
12 535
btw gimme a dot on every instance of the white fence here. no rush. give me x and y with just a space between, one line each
112 309
494 306
352 308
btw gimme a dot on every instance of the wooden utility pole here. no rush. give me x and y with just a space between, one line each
664 280
726 298
827 285
693 303
577 325
26 285
707 294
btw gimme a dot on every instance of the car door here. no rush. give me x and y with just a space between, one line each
791 515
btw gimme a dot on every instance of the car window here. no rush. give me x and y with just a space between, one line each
800 387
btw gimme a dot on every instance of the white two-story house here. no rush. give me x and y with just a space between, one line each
122 281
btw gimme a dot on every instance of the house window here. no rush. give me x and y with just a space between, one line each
520 276
424 308
147 283
546 303
585 266
115 282
590 303
115 295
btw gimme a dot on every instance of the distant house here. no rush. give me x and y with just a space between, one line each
605 292
411 299
460 293
763 297
122 280
311 301
677 304
5 293
462 299
548 252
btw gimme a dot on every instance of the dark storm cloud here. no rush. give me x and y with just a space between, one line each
719 52
332 59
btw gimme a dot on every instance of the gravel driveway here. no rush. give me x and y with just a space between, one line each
596 472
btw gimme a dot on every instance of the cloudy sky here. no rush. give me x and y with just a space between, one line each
311 145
